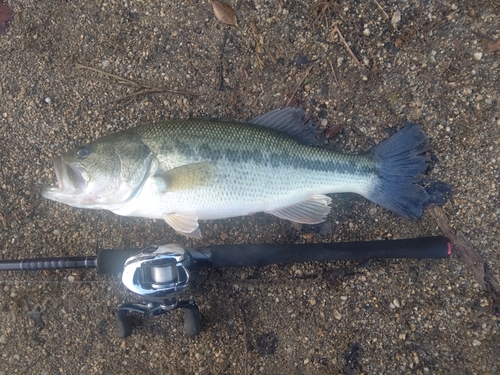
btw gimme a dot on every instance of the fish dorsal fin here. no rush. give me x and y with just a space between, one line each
312 210
187 176
291 121
185 223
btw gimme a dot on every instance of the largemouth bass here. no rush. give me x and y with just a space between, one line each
184 171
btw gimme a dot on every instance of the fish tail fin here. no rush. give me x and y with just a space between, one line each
401 160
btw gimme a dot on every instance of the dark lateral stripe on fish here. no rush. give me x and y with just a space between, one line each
323 164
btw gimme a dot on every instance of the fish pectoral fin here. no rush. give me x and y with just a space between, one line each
312 210
187 176
185 223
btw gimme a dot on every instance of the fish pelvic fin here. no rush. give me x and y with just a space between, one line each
312 210
401 161
187 176
185 223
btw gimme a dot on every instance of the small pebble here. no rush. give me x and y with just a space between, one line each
478 55
476 342
337 315
366 32
71 278
48 100
396 17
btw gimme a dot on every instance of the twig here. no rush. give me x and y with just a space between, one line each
154 90
311 24
471 257
130 82
382 9
2 219
143 89
300 84
244 340
336 29
333 71
325 6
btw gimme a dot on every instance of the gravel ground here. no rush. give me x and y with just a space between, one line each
393 317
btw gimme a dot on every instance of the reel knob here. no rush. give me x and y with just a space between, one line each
192 319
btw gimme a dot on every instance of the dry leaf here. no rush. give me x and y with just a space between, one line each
494 47
6 15
332 130
224 13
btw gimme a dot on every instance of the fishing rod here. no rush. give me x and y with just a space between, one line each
160 274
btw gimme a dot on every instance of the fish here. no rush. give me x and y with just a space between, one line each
187 170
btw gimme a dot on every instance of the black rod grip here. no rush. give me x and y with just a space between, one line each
264 254
111 261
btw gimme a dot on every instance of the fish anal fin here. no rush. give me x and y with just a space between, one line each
185 223
312 210
187 176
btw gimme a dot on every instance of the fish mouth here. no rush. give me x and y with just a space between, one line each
69 177
71 184
58 166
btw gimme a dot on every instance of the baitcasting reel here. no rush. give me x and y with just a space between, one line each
158 274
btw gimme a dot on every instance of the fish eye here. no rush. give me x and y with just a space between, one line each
82 152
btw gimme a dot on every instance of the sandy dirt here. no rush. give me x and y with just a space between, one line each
434 66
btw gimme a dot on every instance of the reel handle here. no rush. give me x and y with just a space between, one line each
192 320
123 328
192 317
